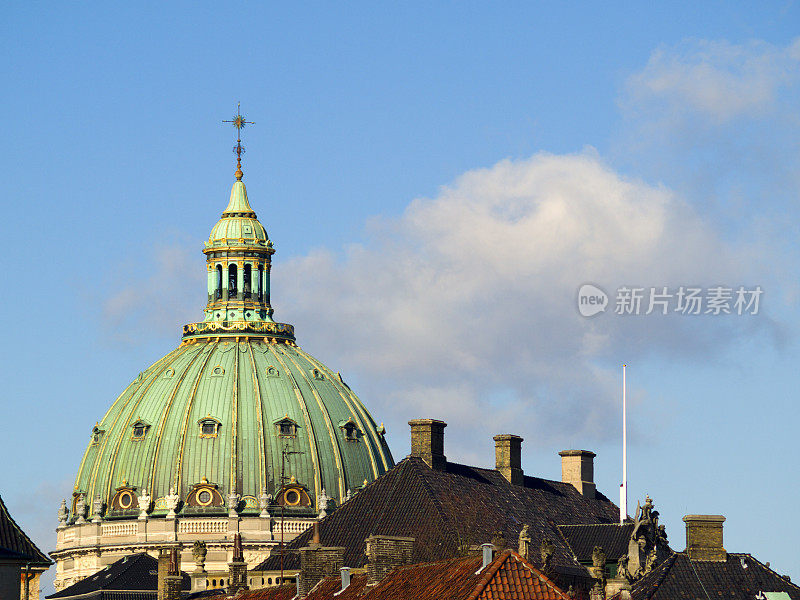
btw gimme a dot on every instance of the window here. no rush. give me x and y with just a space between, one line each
232 276
317 374
219 282
209 426
272 371
97 434
140 429
286 427
247 281
260 283
350 430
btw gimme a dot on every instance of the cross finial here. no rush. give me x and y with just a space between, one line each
239 122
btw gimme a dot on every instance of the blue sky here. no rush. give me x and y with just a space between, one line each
438 181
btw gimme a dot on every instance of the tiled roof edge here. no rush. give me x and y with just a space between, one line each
46 559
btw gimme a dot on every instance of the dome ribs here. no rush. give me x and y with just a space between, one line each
234 482
262 467
338 387
312 438
331 431
131 416
182 437
162 422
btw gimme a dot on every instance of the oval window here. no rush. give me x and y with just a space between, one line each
204 497
125 500
292 497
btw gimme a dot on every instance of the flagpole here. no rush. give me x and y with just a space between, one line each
623 489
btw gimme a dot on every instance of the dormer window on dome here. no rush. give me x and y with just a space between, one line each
97 435
209 427
286 427
140 429
350 430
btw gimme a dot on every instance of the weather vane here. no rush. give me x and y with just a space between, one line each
239 122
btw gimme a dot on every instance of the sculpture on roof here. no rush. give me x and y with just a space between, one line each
647 546
546 550
525 542
63 514
199 552
144 504
97 509
171 501
80 509
323 504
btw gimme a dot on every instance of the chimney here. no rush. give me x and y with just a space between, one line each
704 537
345 578
317 563
237 568
508 457
385 553
427 442
170 581
487 552
577 468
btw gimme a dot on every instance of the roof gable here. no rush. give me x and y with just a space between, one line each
14 543
137 572
740 577
449 510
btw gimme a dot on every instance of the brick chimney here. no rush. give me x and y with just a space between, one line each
237 568
385 553
427 442
704 537
169 566
508 457
170 581
577 468
317 563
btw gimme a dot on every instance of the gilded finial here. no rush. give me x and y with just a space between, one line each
239 122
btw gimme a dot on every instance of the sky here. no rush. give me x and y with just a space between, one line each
439 180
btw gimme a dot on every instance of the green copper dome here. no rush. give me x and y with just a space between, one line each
234 406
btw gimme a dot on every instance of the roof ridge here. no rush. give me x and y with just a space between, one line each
491 569
765 567
24 535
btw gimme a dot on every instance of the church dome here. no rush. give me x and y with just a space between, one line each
236 413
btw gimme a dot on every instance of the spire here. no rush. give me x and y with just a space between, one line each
239 122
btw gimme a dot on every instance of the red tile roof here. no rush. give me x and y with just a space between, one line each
508 577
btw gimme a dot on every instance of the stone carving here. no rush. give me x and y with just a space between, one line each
648 544
171 500
263 502
97 509
233 504
525 542
546 550
323 504
144 504
199 552
63 515
348 495
80 509
598 571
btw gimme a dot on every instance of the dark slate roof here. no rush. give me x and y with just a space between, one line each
449 510
15 544
740 577
507 577
134 573
613 538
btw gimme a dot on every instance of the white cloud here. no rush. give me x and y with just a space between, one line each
716 80
159 301
465 306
